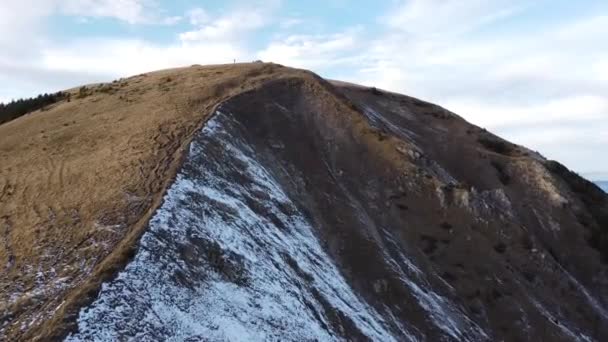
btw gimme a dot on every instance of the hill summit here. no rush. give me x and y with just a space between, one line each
260 202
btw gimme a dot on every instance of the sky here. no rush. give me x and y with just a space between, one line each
532 71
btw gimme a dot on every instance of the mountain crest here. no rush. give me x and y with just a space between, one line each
259 202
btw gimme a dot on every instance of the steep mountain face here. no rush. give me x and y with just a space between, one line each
309 210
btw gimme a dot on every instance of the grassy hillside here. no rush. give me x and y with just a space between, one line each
79 181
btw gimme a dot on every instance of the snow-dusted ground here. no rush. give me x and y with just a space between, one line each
228 256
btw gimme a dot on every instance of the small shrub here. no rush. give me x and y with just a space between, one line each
529 275
381 135
449 277
476 309
503 175
495 145
526 242
441 115
228 265
496 294
500 247
106 89
402 207
553 254
430 243
83 92
446 226
375 91
420 103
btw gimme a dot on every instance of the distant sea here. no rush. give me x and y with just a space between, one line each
603 185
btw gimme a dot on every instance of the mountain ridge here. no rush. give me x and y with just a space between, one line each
411 196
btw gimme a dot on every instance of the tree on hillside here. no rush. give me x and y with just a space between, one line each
16 108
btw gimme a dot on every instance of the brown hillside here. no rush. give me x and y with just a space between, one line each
79 180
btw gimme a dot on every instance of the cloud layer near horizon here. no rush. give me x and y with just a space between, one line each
532 71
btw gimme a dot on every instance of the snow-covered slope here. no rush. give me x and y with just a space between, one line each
225 260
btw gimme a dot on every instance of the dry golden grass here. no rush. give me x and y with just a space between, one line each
79 181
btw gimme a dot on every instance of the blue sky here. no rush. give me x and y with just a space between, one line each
533 71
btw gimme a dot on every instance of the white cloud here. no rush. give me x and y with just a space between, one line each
130 11
234 24
198 16
600 68
313 51
21 21
228 26
573 109
29 15
169 21
431 17
134 56
289 23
